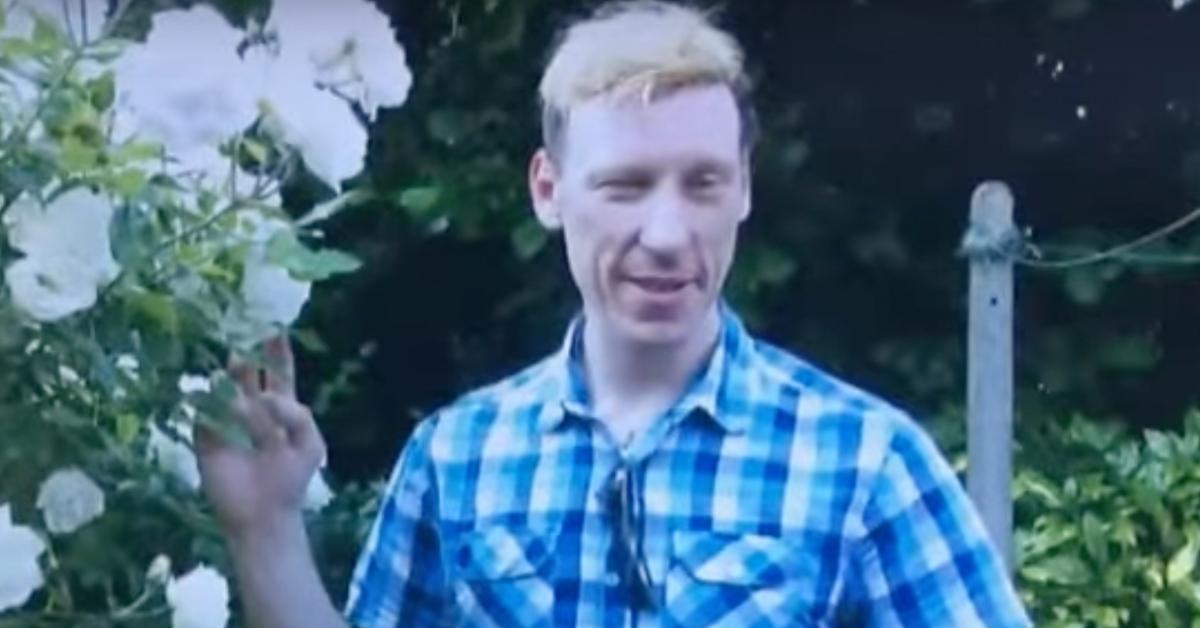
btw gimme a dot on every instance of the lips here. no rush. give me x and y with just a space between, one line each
661 285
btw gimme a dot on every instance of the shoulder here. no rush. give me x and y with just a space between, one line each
820 392
826 406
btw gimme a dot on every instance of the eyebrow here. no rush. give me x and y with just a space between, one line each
718 167
616 172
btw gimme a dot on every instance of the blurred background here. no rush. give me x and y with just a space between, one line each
879 119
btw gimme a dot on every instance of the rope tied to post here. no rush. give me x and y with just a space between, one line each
991 236
986 243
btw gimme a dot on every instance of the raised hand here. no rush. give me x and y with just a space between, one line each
260 488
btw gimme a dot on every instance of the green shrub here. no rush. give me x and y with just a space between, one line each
1108 524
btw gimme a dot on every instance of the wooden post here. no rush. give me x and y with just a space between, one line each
989 244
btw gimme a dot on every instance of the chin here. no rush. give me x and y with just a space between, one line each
657 332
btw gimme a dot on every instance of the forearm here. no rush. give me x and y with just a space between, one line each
278 580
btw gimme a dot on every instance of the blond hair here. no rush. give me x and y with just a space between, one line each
641 48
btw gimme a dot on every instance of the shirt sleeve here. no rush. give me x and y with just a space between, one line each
925 558
400 571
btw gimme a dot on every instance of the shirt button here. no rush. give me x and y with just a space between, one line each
612 579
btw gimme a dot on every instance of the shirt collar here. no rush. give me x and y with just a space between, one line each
708 391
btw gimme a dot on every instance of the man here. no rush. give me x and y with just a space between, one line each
663 468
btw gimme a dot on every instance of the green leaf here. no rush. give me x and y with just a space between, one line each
132 234
156 309
107 50
1183 562
327 209
1096 435
102 91
45 33
18 47
305 264
256 150
420 200
1163 617
310 340
1095 537
138 151
1124 533
128 425
126 182
1159 444
1032 482
76 156
1062 569
1189 591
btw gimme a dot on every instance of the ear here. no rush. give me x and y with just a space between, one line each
543 184
744 210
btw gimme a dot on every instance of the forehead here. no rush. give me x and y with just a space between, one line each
685 125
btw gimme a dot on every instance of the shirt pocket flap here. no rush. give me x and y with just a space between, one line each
750 560
501 552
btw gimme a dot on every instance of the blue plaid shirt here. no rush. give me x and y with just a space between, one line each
771 494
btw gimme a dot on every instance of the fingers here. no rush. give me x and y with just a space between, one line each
245 375
205 441
297 422
281 366
271 413
255 415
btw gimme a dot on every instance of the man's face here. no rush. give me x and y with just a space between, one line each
649 197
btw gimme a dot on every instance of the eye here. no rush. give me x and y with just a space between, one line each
706 182
622 183
623 187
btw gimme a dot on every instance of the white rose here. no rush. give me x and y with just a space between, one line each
271 298
128 363
20 574
48 290
189 101
69 499
73 227
68 255
317 494
175 456
199 599
160 569
350 46
318 123
189 384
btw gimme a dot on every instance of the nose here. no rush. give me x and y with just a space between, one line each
664 229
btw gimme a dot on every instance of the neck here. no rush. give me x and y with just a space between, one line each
632 383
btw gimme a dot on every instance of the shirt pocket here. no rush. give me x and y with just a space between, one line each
504 577
728 579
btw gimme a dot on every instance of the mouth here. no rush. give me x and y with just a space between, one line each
660 285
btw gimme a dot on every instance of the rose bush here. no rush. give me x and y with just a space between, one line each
143 237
